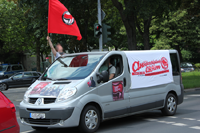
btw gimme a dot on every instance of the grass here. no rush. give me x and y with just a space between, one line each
191 79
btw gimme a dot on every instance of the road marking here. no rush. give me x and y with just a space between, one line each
170 122
196 127
191 119
19 100
162 121
27 131
149 119
172 117
185 98
198 120
196 95
179 124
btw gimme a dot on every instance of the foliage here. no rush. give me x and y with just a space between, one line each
191 79
140 13
187 55
179 32
11 27
197 65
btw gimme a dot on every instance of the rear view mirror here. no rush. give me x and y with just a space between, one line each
103 76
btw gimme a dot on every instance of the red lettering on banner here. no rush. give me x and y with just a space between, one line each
150 67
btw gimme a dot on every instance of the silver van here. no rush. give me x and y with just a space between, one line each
81 89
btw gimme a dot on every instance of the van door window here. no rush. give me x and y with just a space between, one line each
113 65
175 64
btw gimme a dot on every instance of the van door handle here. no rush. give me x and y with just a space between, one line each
124 82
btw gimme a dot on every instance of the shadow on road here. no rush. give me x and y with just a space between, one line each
109 125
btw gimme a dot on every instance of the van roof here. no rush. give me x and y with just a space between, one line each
90 53
105 52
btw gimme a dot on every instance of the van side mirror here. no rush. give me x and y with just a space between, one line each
103 76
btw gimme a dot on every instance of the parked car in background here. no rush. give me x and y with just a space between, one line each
187 67
19 80
8 70
8 120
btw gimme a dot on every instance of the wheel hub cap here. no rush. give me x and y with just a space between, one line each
171 104
91 119
2 87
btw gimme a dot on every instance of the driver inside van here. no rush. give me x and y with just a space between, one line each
111 68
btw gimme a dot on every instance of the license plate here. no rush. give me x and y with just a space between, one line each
37 115
187 71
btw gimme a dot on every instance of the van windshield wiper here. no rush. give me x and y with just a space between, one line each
62 79
45 78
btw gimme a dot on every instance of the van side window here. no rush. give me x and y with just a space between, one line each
175 64
116 62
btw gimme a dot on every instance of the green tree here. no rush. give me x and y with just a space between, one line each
140 13
178 31
36 22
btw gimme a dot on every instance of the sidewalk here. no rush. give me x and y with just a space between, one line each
192 89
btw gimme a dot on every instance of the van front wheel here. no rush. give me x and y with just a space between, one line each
170 105
90 119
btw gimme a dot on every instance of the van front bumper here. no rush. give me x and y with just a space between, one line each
54 117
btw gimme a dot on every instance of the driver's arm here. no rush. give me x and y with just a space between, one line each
111 76
112 72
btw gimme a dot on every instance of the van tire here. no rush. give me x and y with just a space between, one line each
40 128
170 105
92 119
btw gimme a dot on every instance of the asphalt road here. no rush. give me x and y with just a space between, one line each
186 120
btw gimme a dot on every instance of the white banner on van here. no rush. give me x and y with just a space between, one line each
149 68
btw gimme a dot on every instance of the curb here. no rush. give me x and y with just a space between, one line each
192 89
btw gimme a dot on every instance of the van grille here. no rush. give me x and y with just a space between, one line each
42 121
49 100
46 100
32 100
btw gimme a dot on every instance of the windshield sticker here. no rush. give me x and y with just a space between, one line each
38 88
52 90
118 90
91 83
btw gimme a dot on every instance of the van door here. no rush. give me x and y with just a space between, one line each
114 97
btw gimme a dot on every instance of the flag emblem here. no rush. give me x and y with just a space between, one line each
67 18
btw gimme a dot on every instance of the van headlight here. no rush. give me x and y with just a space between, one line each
1 73
66 93
26 95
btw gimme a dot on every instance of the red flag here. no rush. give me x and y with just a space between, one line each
60 21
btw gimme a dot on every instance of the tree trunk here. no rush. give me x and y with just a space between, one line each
132 43
41 55
179 52
38 56
146 34
129 23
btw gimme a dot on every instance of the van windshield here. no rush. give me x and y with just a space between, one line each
73 67
3 68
